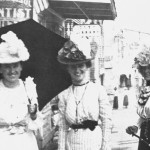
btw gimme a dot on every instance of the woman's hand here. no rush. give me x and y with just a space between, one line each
32 111
32 108
132 129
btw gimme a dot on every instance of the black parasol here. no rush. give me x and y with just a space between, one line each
43 46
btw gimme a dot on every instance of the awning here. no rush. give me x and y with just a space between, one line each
84 9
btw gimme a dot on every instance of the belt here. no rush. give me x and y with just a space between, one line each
91 124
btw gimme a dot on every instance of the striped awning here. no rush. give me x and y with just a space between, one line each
40 5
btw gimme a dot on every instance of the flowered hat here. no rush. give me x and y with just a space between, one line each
143 57
75 52
12 49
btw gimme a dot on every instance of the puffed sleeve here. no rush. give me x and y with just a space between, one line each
106 118
62 122
144 112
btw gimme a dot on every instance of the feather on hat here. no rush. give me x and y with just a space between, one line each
75 51
12 49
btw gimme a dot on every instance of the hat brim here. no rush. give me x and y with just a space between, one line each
10 60
66 61
143 64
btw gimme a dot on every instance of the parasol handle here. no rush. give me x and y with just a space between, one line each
141 139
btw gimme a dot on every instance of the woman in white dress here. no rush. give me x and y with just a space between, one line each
18 99
85 112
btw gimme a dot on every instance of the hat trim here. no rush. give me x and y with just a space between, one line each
12 49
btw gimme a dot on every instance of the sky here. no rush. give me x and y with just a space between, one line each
133 14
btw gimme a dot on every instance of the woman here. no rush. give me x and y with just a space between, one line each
85 112
142 63
18 100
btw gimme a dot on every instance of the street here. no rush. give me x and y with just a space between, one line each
122 118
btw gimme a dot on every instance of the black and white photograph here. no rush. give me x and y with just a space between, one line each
74 75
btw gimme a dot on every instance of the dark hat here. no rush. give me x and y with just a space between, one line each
75 52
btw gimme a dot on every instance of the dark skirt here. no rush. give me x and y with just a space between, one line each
145 134
115 103
125 101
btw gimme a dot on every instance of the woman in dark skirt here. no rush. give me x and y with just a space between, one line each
145 134
142 62
125 101
115 102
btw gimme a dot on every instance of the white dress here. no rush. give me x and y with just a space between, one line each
13 109
87 102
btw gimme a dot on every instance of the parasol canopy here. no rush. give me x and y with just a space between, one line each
43 46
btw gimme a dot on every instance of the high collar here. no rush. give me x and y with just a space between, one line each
81 84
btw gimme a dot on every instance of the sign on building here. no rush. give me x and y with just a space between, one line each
87 30
94 34
13 11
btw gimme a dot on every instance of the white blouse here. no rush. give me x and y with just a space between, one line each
13 103
13 109
78 103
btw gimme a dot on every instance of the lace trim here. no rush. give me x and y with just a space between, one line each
144 95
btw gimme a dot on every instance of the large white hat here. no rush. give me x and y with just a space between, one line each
12 49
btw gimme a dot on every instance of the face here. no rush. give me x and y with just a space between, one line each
146 72
11 72
78 72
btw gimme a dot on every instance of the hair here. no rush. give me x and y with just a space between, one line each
88 65
142 69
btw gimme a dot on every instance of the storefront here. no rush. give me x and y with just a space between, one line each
13 11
